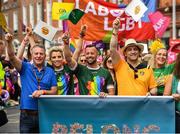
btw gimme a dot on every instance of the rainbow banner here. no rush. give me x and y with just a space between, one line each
99 16
113 114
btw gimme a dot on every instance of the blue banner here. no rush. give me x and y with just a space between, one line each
106 115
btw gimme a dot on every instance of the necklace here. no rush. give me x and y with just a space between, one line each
38 78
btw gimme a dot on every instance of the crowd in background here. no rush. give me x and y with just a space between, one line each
122 71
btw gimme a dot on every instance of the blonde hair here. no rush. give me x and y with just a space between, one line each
152 62
55 49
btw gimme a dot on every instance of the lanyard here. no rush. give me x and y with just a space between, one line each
38 78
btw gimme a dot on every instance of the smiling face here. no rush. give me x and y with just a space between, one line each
132 53
91 55
56 59
38 56
82 60
161 57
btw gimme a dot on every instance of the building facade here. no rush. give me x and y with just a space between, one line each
21 13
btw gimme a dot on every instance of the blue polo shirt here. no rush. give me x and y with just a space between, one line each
29 74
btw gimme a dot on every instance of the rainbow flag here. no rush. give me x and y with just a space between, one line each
73 45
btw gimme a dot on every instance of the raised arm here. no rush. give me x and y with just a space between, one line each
22 48
30 36
28 39
79 43
114 41
67 53
16 62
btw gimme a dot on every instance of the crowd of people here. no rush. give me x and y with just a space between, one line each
122 72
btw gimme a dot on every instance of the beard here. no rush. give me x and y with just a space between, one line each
91 61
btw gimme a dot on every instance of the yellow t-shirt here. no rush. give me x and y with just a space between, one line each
128 85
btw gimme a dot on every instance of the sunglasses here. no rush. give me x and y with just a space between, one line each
83 60
109 61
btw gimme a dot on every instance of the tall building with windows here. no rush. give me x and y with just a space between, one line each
21 13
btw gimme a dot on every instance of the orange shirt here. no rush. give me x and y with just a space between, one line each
128 85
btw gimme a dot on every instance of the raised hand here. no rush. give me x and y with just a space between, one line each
29 30
116 23
83 31
8 37
65 38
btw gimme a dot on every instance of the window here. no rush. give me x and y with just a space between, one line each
4 1
49 13
15 21
31 14
25 22
39 11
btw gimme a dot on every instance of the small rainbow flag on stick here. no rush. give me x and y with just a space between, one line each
73 45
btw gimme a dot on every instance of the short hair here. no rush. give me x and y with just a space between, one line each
55 49
40 46
90 45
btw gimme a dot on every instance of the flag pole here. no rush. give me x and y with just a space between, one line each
174 19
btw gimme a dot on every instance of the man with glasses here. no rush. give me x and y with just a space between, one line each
133 77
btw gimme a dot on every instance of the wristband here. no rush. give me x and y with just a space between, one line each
43 92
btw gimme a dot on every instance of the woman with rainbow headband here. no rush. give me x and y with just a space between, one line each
161 70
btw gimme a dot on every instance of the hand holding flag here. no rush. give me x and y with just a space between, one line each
83 31
136 9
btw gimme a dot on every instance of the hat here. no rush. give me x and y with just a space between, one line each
175 48
132 42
